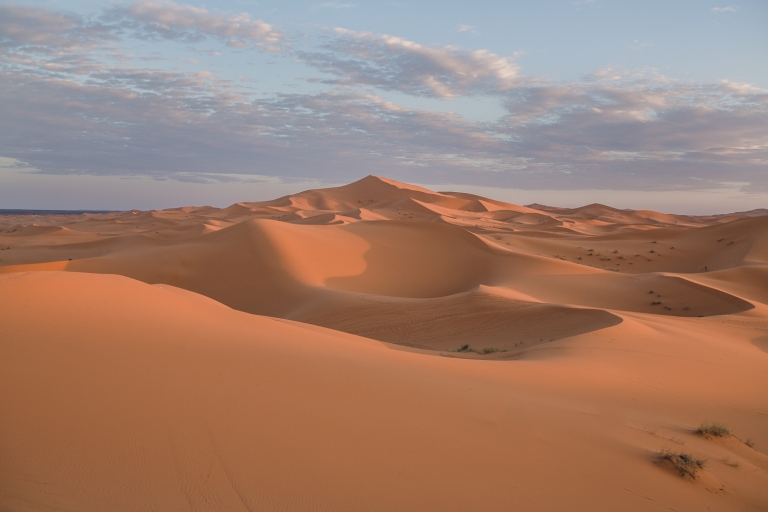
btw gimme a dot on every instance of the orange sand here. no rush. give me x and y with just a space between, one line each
139 369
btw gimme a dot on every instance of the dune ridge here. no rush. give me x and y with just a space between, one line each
378 240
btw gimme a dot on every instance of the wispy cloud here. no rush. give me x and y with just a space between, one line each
336 5
465 28
30 26
394 63
637 45
720 10
168 20
22 25
638 129
634 132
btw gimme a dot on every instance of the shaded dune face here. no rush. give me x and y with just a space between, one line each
385 259
486 318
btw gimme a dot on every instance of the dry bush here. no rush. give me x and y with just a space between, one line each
685 463
713 429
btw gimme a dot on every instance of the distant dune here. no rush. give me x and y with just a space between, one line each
380 346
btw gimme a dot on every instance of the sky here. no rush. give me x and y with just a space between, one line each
153 104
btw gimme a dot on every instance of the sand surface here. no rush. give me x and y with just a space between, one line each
380 346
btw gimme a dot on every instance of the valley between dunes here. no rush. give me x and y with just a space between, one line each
380 346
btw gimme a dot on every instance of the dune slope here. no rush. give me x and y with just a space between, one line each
123 396
380 346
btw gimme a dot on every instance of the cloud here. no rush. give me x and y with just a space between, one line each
637 45
168 20
394 63
643 134
720 10
29 26
26 25
742 89
465 28
636 132
66 110
39 31
336 5
169 125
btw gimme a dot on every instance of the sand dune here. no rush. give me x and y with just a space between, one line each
147 397
495 317
381 346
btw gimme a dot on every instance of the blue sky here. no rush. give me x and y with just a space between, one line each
157 103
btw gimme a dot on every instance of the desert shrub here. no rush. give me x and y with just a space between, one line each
713 429
685 463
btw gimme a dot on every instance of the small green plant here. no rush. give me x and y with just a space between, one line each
733 464
750 442
685 463
490 350
713 429
464 348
